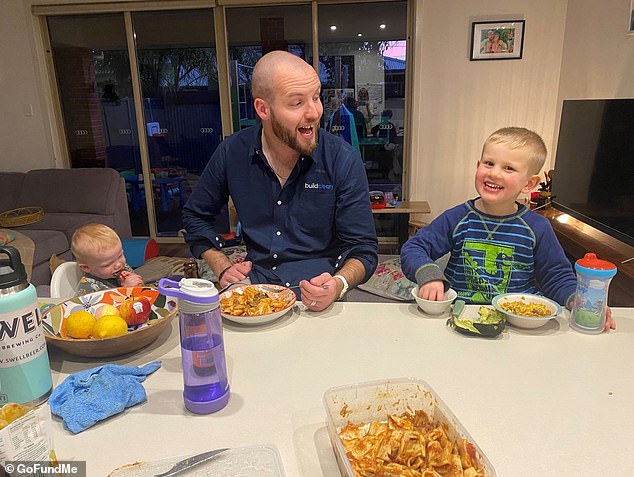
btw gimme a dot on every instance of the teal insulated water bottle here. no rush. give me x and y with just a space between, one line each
25 373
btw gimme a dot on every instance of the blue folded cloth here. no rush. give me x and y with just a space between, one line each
89 396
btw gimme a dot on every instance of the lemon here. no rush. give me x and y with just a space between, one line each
108 326
79 324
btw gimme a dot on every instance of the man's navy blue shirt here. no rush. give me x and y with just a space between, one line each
321 216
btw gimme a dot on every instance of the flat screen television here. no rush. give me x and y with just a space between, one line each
594 165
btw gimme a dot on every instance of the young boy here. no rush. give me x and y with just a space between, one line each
496 244
99 254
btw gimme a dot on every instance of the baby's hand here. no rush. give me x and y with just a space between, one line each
434 290
130 279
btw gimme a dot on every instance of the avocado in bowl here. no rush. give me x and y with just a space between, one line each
489 322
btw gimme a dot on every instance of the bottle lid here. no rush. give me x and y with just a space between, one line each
593 265
194 290
12 272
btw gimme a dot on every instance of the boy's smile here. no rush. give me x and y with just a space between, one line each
501 176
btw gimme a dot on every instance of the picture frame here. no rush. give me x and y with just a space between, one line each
497 40
630 23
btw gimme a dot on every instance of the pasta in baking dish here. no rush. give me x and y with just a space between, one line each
409 445
251 302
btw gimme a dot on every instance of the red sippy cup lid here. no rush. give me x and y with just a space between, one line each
591 261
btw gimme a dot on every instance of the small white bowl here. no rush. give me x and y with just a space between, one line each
435 307
522 321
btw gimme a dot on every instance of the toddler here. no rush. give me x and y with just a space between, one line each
99 254
496 244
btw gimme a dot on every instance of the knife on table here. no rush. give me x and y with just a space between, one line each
190 462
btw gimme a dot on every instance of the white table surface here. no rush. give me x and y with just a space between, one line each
547 402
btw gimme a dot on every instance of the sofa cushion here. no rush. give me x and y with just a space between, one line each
10 185
388 281
67 222
47 243
90 190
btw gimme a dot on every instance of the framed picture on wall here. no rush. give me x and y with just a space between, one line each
630 23
502 40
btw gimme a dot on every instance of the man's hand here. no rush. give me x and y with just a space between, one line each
433 291
320 292
236 273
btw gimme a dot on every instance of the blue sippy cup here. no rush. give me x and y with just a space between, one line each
591 299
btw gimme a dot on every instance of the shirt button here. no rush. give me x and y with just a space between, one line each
339 257
279 202
278 233
274 268
217 239
288 284
337 264
274 255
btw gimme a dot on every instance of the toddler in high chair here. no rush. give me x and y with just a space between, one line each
99 254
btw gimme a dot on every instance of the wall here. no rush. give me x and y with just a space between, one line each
24 128
457 103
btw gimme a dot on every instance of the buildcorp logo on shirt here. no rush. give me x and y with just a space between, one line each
316 185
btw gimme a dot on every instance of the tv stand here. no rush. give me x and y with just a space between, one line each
577 238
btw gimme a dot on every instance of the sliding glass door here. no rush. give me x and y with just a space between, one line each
95 89
178 72
145 92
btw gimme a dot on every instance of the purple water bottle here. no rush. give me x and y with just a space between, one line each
206 388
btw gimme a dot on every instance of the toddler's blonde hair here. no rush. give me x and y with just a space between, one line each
521 138
92 238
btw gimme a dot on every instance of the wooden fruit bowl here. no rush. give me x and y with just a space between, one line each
163 311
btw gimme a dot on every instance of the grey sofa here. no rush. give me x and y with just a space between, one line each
70 198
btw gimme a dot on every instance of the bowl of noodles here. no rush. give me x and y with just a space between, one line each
525 310
256 304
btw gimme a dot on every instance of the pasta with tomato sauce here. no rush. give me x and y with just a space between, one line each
409 445
251 302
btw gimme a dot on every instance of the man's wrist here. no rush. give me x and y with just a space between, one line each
344 284
220 275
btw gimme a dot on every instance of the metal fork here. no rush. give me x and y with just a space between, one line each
275 290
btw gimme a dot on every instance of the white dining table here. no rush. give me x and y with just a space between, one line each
545 402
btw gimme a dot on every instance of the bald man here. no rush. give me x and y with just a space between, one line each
301 194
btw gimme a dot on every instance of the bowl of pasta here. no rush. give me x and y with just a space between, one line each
256 304
525 310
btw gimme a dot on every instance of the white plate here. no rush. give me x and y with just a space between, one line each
285 293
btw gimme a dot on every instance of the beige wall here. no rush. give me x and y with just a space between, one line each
25 136
571 49
458 102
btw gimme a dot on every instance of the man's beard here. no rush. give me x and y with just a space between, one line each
288 137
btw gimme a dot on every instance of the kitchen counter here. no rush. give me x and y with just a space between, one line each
547 402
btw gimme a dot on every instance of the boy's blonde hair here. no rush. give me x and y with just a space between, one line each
92 238
521 138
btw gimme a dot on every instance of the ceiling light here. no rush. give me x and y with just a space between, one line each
359 34
382 26
333 27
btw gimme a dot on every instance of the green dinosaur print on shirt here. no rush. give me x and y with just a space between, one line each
488 268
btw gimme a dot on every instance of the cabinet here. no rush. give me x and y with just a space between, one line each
577 238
